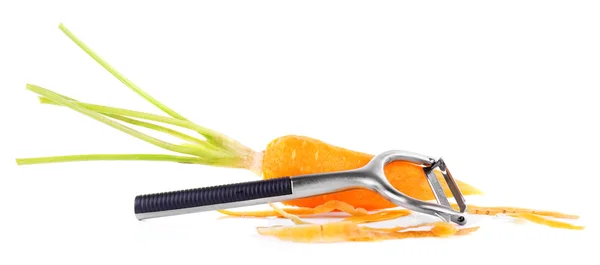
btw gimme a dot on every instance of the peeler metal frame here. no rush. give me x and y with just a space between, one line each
370 176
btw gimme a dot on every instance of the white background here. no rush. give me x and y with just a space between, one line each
504 91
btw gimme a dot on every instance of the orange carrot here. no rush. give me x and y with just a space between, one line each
297 155
289 155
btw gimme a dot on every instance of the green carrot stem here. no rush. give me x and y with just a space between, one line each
230 145
217 149
133 113
75 106
137 122
118 75
109 157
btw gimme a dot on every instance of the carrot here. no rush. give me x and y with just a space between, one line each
289 155
297 155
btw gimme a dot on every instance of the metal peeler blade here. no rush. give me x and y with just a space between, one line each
370 176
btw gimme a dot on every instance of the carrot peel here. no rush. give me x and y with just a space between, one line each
330 206
547 222
350 231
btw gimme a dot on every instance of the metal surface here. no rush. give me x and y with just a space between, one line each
371 177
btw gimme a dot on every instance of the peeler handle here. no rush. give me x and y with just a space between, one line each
154 205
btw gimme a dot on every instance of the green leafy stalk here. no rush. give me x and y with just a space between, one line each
67 103
200 154
217 149
119 114
240 150
133 113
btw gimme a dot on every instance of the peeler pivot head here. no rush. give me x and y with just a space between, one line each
442 209
438 191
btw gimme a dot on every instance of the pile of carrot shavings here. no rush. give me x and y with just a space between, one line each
352 228
349 229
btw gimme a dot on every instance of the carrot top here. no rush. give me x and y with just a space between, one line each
214 148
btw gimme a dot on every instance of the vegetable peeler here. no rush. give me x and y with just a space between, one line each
371 176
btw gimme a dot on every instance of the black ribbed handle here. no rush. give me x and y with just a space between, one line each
213 195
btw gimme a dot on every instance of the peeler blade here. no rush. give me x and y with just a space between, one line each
437 189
